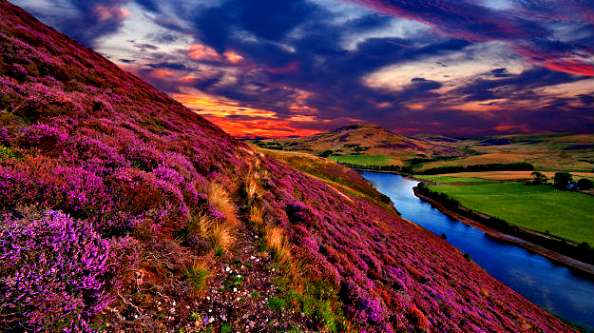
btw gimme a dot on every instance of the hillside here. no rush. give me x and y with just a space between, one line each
367 140
122 210
372 146
553 152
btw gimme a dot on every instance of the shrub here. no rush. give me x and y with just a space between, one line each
562 179
298 212
42 136
539 178
584 184
276 304
325 153
54 273
6 153
197 275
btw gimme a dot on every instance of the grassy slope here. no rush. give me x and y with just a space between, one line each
386 147
335 175
365 160
540 208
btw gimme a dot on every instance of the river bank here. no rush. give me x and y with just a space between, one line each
553 286
559 258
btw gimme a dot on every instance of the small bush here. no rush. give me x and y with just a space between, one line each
54 273
226 328
584 184
197 275
6 153
277 304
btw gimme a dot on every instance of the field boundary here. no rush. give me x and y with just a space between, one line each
556 249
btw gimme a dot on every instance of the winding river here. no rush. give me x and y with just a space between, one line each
553 287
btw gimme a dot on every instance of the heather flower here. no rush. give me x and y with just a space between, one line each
42 136
169 175
19 72
298 212
54 273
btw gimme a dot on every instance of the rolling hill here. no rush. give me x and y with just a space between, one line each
370 145
122 210
551 152
366 140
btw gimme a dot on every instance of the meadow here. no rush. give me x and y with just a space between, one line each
364 160
541 208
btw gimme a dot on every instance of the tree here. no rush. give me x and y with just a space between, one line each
584 184
562 179
325 153
538 178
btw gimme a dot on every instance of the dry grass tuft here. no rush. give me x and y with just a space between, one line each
198 275
257 214
276 241
221 200
221 237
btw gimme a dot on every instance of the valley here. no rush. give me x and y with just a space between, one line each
122 210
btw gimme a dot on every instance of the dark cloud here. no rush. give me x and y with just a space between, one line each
527 27
301 57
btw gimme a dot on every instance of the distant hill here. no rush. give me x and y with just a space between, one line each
368 140
371 146
547 152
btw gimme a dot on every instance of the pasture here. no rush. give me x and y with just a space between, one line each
364 160
541 208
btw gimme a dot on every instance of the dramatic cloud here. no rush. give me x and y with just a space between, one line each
276 68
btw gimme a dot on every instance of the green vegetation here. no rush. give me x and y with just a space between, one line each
363 160
542 208
478 168
6 153
197 275
450 179
318 302
226 328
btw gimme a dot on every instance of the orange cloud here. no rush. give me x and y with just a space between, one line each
163 73
233 57
268 128
203 52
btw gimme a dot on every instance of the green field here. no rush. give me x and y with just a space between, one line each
363 160
569 215
450 179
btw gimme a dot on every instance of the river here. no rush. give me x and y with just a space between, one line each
553 287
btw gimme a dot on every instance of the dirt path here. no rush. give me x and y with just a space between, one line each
240 289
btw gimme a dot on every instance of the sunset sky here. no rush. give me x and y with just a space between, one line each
297 67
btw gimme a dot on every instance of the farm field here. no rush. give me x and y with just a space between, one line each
542 208
502 175
364 160
555 152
